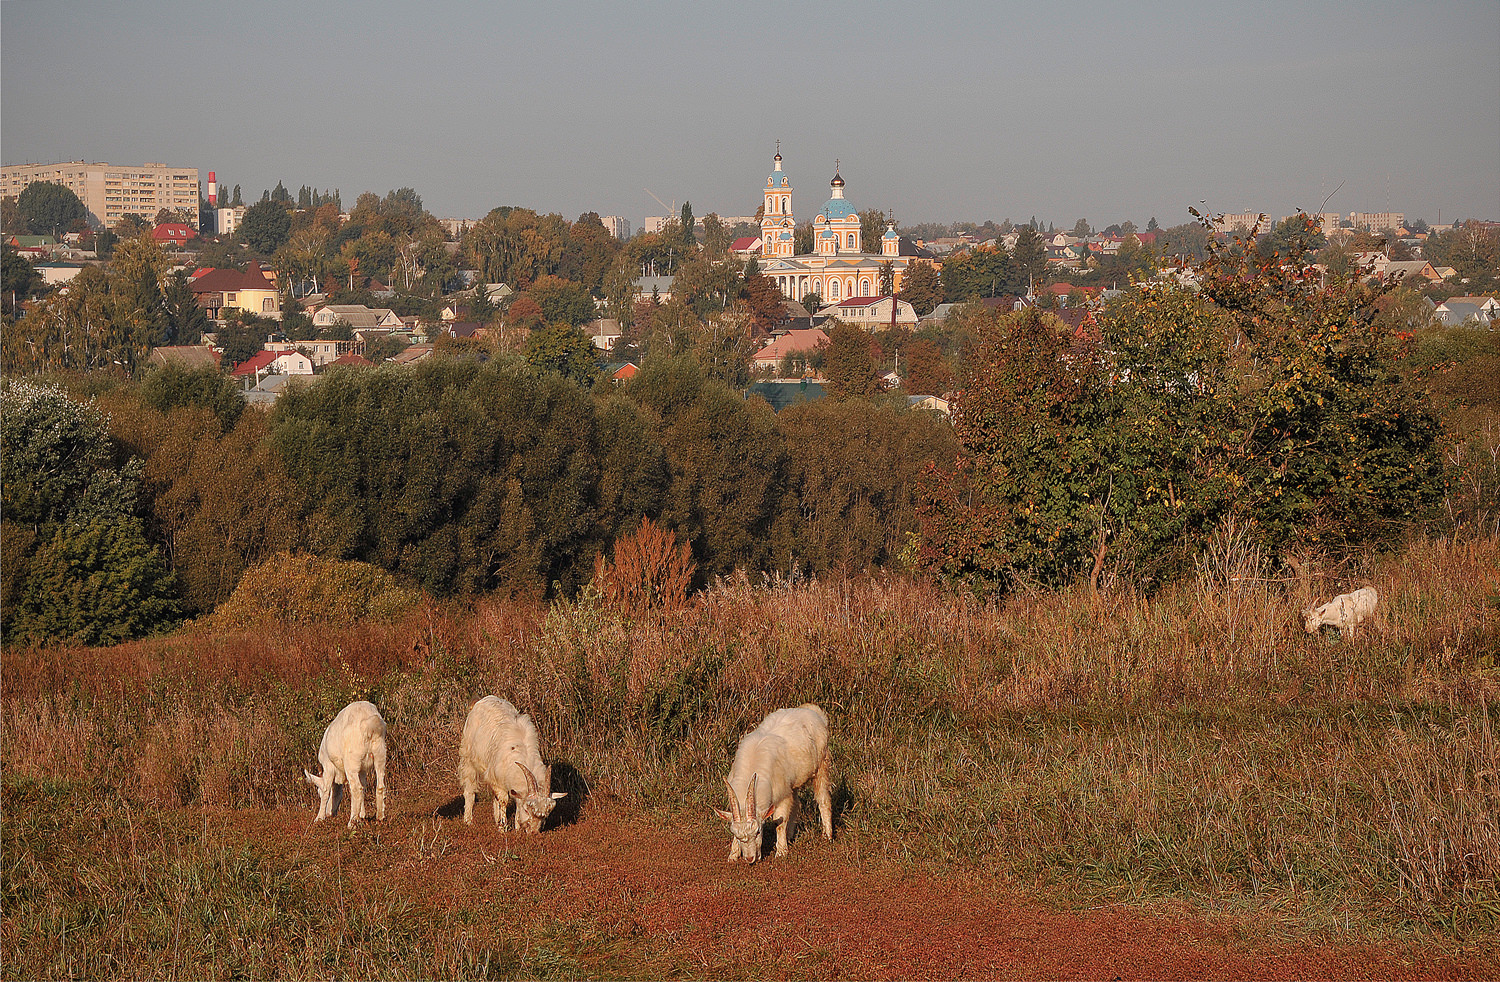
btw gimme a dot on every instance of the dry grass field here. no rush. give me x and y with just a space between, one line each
1183 772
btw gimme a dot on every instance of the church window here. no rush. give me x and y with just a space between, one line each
851 240
833 289
864 288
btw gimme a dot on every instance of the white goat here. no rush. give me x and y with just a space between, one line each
1345 612
353 745
788 749
499 749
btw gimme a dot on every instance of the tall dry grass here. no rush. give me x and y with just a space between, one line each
1194 742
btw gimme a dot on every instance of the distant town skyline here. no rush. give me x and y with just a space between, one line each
943 112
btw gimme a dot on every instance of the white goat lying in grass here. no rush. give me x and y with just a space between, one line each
499 750
353 745
788 749
1345 612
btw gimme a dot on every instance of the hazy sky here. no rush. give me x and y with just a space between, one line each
940 111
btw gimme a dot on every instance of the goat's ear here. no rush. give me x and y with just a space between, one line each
726 816
559 794
310 779
767 815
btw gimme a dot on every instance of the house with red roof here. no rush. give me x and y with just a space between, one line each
273 363
872 313
746 246
792 342
173 233
252 290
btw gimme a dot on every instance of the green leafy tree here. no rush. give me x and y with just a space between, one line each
802 238
171 386
78 568
265 227
240 336
872 224
562 301
924 369
467 477
1030 256
725 463
687 226
588 254
852 470
187 321
49 209
516 245
1268 397
716 238
1291 236
764 302
1026 496
564 349
381 349
922 287
96 584
848 366
21 279
12 222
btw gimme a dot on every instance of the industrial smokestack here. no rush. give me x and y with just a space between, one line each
213 191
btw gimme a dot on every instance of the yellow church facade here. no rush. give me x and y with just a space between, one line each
838 268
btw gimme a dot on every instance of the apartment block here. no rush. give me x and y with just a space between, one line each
618 227
111 191
1377 221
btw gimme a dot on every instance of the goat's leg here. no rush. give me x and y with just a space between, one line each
356 798
380 781
823 791
784 815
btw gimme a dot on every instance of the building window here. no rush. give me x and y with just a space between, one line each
851 240
266 306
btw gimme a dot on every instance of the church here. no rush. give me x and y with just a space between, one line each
838 268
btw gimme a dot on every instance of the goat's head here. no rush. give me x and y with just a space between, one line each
745 823
533 807
1312 620
321 782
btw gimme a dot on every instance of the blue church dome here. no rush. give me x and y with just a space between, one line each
838 208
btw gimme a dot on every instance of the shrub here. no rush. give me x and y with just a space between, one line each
308 590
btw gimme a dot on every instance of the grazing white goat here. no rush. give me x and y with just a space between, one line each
499 750
788 749
353 745
1345 612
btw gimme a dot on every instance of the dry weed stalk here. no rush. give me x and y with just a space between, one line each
651 570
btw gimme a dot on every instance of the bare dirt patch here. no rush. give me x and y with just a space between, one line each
615 895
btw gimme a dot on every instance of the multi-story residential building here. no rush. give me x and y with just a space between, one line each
455 228
1377 221
227 220
618 227
1246 220
112 191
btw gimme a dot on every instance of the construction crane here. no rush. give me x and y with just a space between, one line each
671 211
